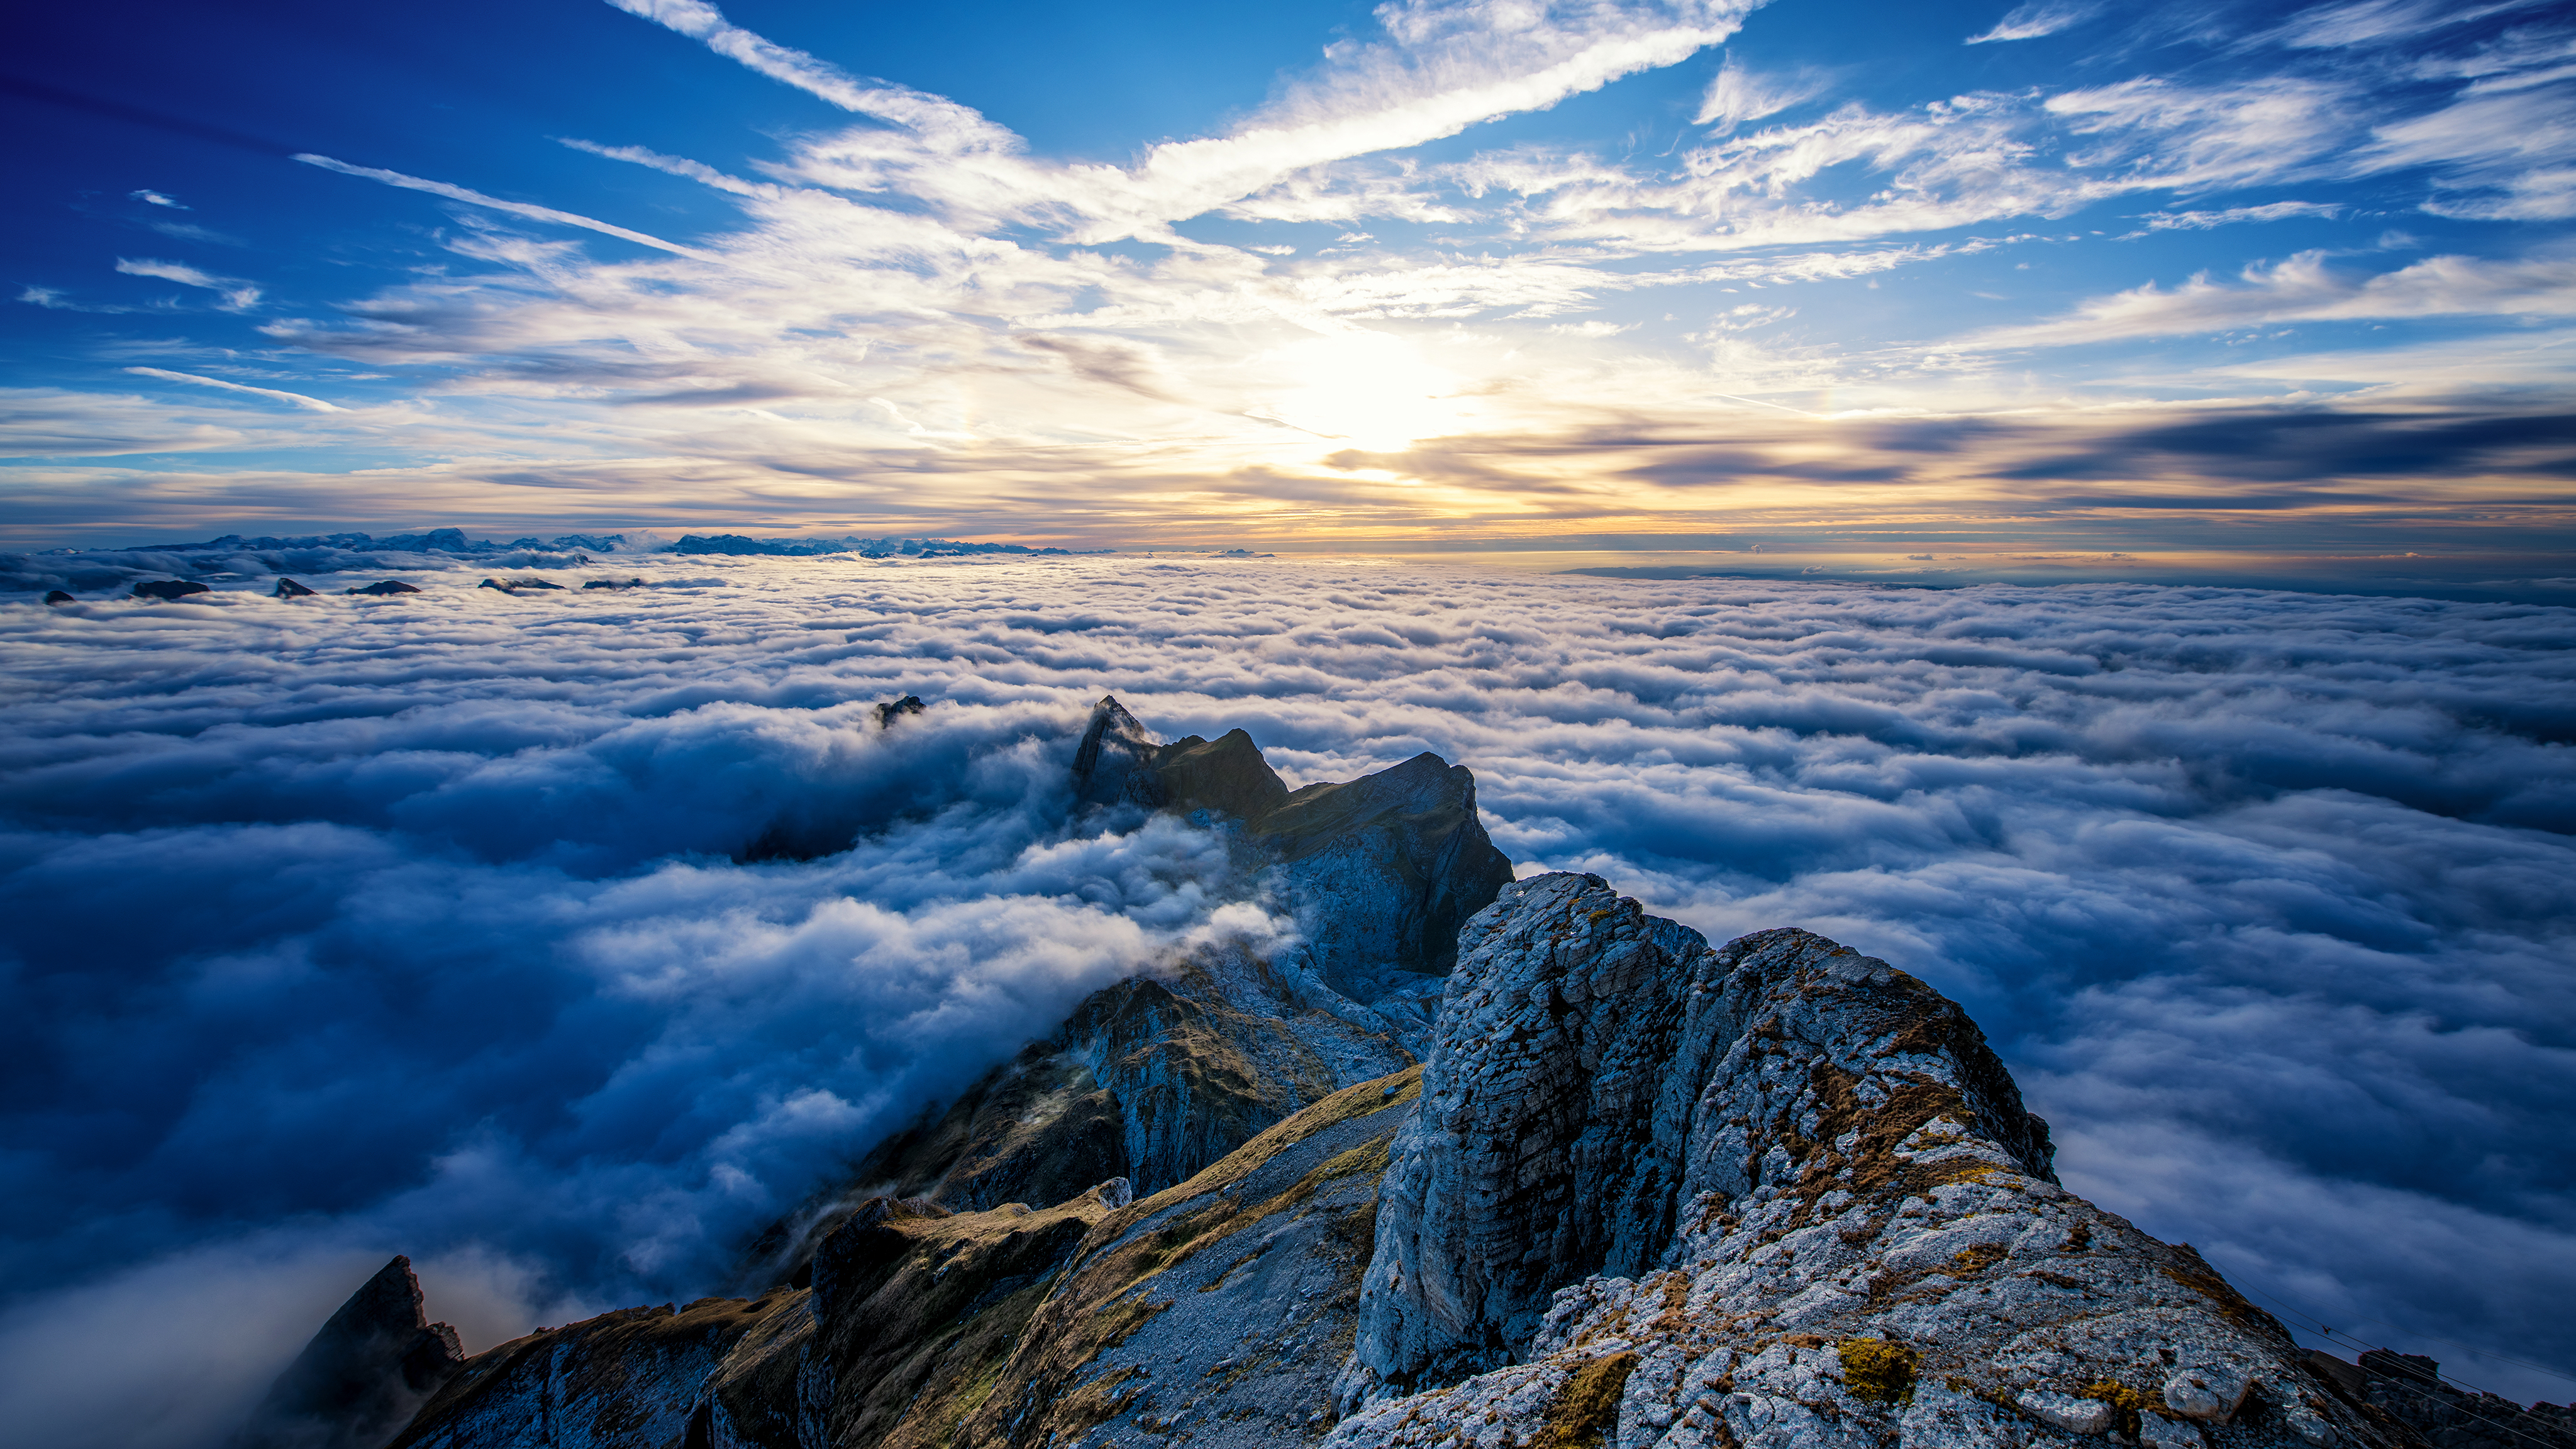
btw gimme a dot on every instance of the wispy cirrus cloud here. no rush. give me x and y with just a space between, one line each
312 404
2156 221
1445 66
476 198
1736 95
2036 19
238 295
2304 288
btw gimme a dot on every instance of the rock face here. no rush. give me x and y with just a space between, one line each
1639 1193
363 1377
1603 1081
1769 1194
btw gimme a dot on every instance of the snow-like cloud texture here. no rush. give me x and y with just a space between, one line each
346 927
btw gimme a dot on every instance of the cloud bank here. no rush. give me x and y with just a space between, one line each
425 925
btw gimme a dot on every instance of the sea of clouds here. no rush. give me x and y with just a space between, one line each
344 927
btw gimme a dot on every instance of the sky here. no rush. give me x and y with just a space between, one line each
344 927
2249 290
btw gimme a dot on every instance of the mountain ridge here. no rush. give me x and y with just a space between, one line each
1539 1170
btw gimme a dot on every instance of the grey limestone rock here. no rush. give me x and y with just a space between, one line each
1785 1196
1600 1079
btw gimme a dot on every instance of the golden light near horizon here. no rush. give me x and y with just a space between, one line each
1372 390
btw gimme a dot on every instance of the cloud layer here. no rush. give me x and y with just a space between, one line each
352 927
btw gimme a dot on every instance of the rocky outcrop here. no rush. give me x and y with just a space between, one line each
385 588
2410 1389
1217 1312
1769 1194
629 1378
1603 1080
289 589
169 589
363 1377
1156 1077
923 1327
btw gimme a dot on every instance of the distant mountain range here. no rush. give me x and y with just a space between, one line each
453 540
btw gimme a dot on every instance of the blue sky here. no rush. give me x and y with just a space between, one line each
2183 280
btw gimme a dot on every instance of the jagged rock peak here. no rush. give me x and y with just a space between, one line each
363 1376
1114 764
1766 1195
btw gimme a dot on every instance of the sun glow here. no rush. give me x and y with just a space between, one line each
1370 389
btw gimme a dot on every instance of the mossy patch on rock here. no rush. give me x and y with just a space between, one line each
1584 1412
1877 1370
2127 1402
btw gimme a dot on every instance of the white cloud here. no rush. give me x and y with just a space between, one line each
1445 67
2507 155
238 295
2036 19
476 198
2229 216
2378 22
2303 288
314 404
155 198
2263 882
1736 95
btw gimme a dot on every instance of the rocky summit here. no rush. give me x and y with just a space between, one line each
1474 1163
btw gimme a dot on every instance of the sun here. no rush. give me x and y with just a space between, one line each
1368 389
